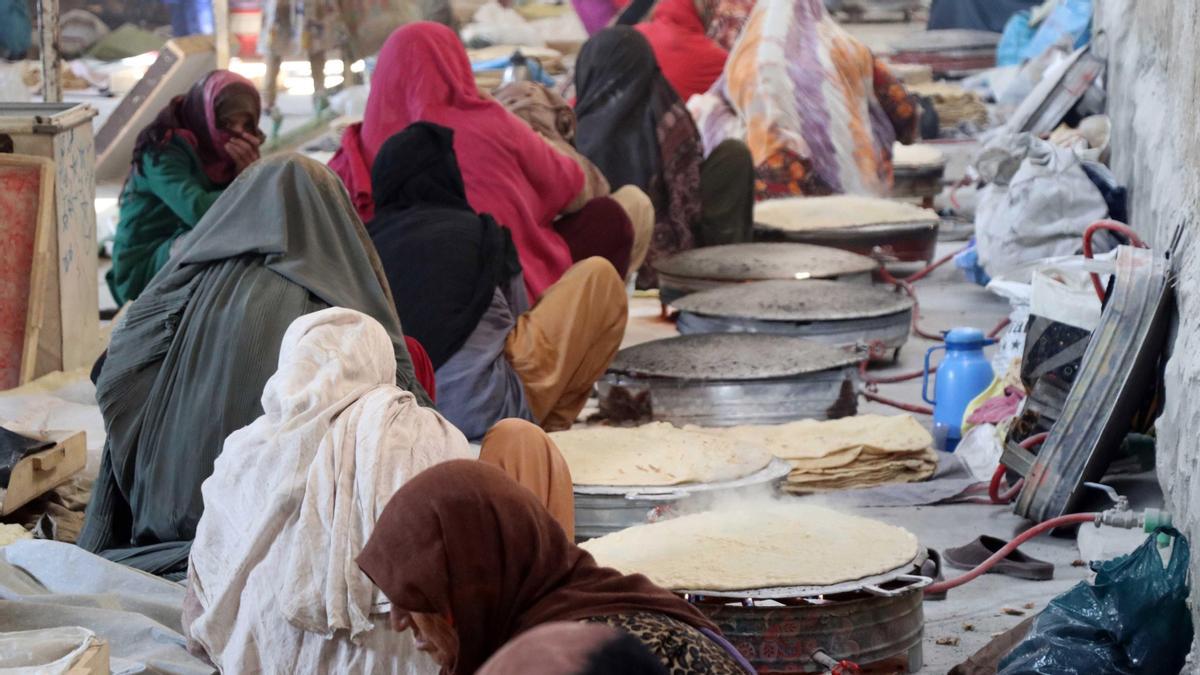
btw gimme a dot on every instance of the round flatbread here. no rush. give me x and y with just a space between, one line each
655 454
769 545
837 212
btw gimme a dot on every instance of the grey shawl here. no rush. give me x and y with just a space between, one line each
187 366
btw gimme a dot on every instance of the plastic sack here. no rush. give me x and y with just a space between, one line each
1132 619
1037 205
1017 34
1070 22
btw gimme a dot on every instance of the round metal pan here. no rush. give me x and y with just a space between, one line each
889 243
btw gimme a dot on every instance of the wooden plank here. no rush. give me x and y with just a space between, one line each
95 660
51 60
43 471
75 214
26 227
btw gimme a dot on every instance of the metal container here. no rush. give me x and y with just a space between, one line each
715 266
861 626
918 182
601 510
730 379
889 243
831 312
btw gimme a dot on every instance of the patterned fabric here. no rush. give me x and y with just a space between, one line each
725 19
684 650
817 110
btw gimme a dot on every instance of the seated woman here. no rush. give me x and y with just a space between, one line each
483 562
553 119
295 495
187 366
570 648
195 147
509 171
633 125
819 112
690 59
459 290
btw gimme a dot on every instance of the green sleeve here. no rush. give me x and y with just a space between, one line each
175 177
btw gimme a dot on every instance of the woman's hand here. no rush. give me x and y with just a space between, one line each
243 148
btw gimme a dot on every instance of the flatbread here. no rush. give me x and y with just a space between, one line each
809 439
758 545
656 454
837 212
917 155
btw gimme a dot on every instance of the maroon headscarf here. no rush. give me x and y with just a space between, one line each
464 541
196 117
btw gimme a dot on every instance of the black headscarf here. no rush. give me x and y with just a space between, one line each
620 97
442 260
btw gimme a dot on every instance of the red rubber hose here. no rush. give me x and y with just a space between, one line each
1112 226
997 477
983 567
907 407
921 274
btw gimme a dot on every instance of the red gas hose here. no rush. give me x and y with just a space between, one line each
907 407
1071 519
1112 226
998 476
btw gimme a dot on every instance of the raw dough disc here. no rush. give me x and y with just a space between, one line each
655 454
839 211
762 545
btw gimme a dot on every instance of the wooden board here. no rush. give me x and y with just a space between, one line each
26 224
95 660
43 471
181 63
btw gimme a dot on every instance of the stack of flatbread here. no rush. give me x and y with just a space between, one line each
852 452
953 104
656 454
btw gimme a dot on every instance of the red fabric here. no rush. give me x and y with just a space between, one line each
510 172
600 228
689 59
422 367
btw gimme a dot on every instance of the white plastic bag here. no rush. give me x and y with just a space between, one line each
1037 211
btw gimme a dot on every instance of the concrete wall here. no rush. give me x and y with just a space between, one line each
1154 102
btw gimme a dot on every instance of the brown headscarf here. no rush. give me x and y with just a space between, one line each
464 541
525 453
548 114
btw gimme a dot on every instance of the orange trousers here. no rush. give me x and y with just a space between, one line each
562 346
524 452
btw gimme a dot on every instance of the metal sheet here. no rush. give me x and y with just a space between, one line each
1050 101
760 262
1116 370
723 358
882 336
828 394
918 181
895 243
813 300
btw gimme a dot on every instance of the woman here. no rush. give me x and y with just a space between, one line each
634 127
195 147
569 648
272 582
819 112
187 366
460 291
509 171
488 563
553 119
690 59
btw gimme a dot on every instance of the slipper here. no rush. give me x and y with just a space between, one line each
1016 564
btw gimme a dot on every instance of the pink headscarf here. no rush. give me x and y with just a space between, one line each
510 172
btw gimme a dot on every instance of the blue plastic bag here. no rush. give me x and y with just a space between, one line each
1133 619
1071 19
1017 34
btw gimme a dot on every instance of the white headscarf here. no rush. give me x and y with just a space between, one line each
294 497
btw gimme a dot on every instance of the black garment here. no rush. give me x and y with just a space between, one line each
727 195
442 261
976 14
620 96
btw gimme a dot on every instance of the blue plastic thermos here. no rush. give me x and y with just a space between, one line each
962 375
